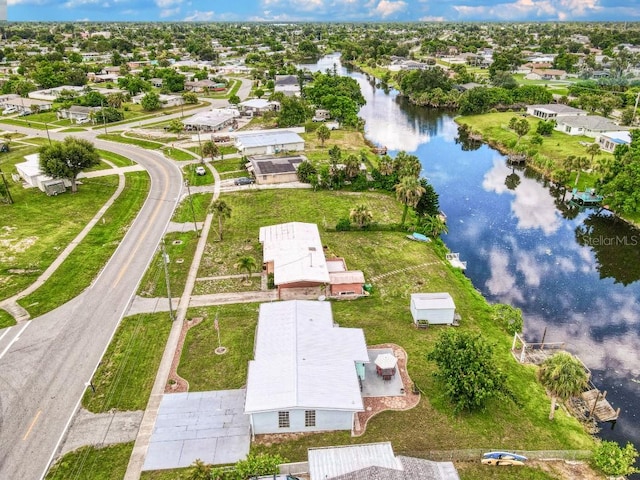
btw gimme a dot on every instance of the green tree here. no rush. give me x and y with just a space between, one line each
513 121
199 470
361 215
222 211
407 165
564 376
210 149
293 111
259 92
408 191
593 151
68 158
323 134
234 99
386 165
115 100
576 164
521 128
351 167
429 203
612 459
151 102
433 225
248 265
468 369
508 317
306 172
190 98
175 126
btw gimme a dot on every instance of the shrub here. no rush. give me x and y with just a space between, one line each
612 459
344 224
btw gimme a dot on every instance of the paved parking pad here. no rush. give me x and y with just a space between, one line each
209 426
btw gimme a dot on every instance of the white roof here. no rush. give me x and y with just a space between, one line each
333 461
432 301
296 252
350 276
31 167
266 139
255 103
213 118
623 137
303 361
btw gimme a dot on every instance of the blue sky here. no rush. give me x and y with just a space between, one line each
322 10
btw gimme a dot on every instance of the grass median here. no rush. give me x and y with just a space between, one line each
91 463
83 264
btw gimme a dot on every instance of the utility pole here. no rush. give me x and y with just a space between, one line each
6 187
193 211
165 262
200 143
635 107
46 126
104 117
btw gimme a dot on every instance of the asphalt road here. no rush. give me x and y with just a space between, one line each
45 365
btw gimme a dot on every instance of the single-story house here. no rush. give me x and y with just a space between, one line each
33 176
374 461
553 111
167 101
306 371
258 106
432 308
293 253
269 169
212 120
7 98
269 143
52 94
287 84
27 104
77 113
204 85
321 115
608 141
546 74
591 125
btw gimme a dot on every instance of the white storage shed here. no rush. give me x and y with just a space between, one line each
434 308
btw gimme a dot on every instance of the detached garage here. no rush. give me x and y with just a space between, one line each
432 309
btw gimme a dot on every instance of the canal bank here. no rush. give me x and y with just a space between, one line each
573 272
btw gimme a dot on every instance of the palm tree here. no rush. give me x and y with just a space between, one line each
407 165
323 133
199 470
351 166
564 376
116 99
220 209
386 165
434 225
408 191
361 215
247 264
580 163
593 150
210 149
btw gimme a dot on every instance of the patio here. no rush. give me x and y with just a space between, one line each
374 385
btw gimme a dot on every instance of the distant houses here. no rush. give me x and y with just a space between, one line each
212 120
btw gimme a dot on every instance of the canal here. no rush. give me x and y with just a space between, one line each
574 273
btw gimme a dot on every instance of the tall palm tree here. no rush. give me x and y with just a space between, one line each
351 166
593 151
220 209
434 225
407 165
577 164
386 165
564 376
247 264
361 215
116 99
408 191
210 149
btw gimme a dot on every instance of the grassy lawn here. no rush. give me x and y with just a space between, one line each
226 285
183 213
385 317
88 258
180 255
189 172
115 137
128 369
349 141
118 160
28 246
90 463
200 366
171 474
177 154
476 471
6 320
229 165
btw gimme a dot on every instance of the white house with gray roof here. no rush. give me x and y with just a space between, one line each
554 111
306 371
268 143
591 125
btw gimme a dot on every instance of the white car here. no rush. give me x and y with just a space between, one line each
9 110
200 170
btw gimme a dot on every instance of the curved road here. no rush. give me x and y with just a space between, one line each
45 366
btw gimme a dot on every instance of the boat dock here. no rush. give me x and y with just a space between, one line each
516 159
591 404
587 198
454 260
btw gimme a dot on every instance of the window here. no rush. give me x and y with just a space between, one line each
309 418
283 419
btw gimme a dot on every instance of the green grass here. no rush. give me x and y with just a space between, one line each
200 366
349 141
226 285
477 471
116 159
153 284
6 320
177 154
228 149
31 246
87 259
128 369
73 130
189 172
184 214
114 137
90 463
171 474
228 165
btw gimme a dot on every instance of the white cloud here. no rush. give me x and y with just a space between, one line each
387 8
502 283
198 16
169 12
167 3
431 18
560 9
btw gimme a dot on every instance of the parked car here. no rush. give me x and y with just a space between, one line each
200 170
503 459
243 181
24 113
9 110
4 147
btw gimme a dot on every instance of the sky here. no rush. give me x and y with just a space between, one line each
322 10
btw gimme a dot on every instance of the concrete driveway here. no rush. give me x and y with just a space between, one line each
210 426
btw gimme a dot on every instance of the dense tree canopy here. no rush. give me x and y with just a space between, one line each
68 158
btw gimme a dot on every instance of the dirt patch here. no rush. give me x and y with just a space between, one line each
568 470
177 384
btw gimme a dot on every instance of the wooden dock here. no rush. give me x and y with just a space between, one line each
517 159
598 406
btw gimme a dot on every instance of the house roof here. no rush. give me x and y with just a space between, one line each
81 109
212 118
268 165
432 301
296 252
255 103
348 277
557 108
31 167
412 469
330 462
302 360
595 123
286 80
267 139
623 137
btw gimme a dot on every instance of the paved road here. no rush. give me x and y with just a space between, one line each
45 364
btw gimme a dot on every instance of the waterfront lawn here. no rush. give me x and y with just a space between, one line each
90 463
125 376
180 257
349 141
88 258
37 227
